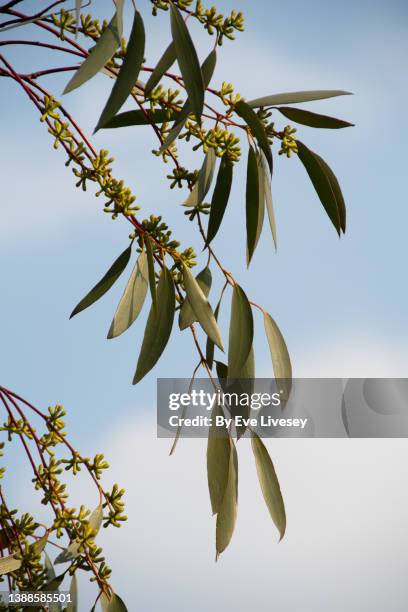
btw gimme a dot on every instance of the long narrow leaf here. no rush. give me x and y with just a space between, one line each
128 74
164 64
315 120
297 96
252 203
188 61
158 327
132 300
101 53
334 183
187 316
227 513
220 198
218 460
105 283
268 197
254 123
151 272
201 308
203 183
139 117
282 366
241 332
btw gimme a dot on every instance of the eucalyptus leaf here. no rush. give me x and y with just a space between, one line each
269 484
49 567
151 272
133 298
158 327
261 204
105 283
72 551
201 308
315 120
254 123
268 197
204 180
187 316
9 564
139 117
297 96
39 544
252 203
334 183
227 513
241 332
220 198
116 604
164 64
73 591
218 459
101 53
318 175
209 351
128 73
282 366
188 61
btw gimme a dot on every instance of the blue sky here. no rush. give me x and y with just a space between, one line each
342 305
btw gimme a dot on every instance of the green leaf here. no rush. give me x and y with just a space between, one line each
53 584
114 604
209 351
261 204
73 591
105 283
282 367
252 203
256 126
72 551
49 567
207 69
165 63
203 183
269 484
139 117
128 73
227 513
313 119
9 564
133 298
152 275
268 197
241 332
218 459
101 53
201 308
297 96
334 183
188 61
159 326
318 175
220 198
187 316
39 545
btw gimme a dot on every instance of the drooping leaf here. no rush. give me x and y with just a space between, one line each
218 460
105 283
158 327
49 567
72 551
188 61
116 604
282 366
313 119
220 198
209 351
164 64
39 544
152 275
241 332
187 316
334 183
201 308
73 591
101 53
128 73
207 69
53 585
268 197
133 298
294 97
203 183
252 203
318 175
9 564
257 128
261 204
138 117
227 513
269 484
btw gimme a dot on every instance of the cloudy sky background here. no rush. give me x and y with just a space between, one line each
341 304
